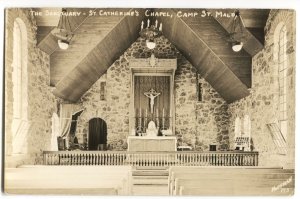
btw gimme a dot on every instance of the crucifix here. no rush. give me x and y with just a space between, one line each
151 94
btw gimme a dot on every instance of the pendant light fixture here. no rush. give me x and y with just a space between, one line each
63 31
150 32
237 32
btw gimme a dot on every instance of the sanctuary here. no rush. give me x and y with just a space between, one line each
149 104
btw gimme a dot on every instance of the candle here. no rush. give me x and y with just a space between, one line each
160 27
156 112
148 23
163 114
142 26
156 23
146 114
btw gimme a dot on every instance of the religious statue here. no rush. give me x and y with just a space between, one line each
152 94
151 130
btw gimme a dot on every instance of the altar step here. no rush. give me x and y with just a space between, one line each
148 182
150 172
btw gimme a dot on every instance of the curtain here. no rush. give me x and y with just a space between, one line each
160 84
55 132
66 113
74 122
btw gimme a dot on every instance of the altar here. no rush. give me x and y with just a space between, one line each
157 143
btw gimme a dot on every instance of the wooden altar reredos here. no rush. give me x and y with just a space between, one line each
156 74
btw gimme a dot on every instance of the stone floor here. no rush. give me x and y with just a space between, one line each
150 182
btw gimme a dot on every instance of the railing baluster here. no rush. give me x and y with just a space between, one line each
113 159
83 159
120 157
100 160
181 159
117 159
159 159
151 159
96 156
108 160
221 160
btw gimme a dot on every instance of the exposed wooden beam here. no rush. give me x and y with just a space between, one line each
207 62
85 39
49 43
88 71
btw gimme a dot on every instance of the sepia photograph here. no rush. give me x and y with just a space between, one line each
149 101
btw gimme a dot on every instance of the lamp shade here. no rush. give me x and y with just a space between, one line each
237 46
150 44
63 44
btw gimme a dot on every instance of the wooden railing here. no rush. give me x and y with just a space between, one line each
182 158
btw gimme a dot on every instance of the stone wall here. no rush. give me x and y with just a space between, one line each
262 105
41 102
197 123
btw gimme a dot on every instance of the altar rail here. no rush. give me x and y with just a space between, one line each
152 159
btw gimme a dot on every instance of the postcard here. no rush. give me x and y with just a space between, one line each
149 101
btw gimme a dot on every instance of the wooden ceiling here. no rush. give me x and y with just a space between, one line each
98 41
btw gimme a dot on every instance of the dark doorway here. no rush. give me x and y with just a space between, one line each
97 134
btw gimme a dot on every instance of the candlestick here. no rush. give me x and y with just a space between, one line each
145 116
140 118
163 119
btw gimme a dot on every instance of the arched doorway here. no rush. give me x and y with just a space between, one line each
97 134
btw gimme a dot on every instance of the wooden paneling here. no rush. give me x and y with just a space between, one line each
99 41
216 38
86 37
254 18
48 43
46 19
251 44
207 62
96 62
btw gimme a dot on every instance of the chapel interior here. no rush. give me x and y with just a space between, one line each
152 101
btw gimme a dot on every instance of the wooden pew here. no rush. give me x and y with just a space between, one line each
88 180
259 191
226 181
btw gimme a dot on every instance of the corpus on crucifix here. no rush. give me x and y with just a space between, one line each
152 94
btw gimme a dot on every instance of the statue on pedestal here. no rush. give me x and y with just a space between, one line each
151 130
